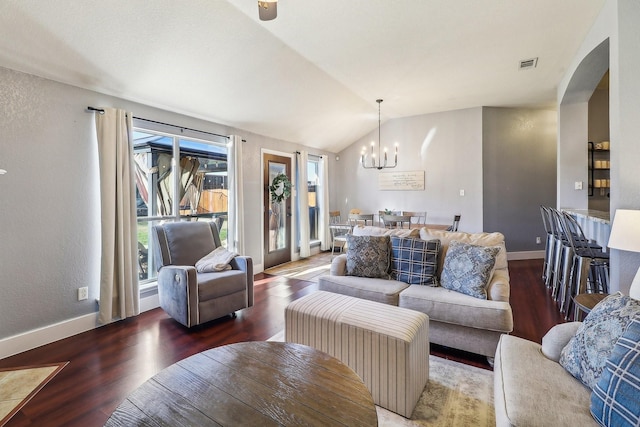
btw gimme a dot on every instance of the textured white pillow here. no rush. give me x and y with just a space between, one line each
216 260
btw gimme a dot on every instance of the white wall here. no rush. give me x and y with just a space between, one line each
447 146
612 42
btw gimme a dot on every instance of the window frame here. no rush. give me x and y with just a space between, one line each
177 135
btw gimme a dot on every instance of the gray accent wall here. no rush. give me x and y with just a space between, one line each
518 173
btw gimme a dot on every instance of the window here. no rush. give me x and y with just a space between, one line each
177 179
312 185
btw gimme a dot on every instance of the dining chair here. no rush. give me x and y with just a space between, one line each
396 221
454 225
417 218
339 231
358 219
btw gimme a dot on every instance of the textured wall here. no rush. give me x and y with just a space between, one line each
519 173
49 239
49 205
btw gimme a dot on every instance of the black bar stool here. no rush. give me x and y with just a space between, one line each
590 266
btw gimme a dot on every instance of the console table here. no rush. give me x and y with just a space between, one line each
251 383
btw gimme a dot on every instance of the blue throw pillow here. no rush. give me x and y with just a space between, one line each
586 354
415 261
615 400
468 268
368 256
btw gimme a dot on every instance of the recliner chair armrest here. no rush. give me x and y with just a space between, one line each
245 263
339 265
177 291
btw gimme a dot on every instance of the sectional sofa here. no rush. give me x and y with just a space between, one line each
456 319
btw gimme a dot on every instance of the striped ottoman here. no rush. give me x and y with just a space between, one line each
387 346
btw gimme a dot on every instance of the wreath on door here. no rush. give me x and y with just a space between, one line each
280 188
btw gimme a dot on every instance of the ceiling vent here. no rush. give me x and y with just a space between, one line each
527 64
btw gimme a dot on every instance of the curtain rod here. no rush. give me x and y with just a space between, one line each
311 154
101 111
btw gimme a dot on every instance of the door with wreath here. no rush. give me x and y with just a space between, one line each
277 212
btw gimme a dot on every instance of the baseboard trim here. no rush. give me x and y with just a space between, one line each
47 334
515 256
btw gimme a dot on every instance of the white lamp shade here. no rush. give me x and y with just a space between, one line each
625 231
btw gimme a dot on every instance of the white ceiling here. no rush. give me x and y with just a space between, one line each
313 74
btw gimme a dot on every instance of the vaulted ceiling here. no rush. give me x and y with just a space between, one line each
313 74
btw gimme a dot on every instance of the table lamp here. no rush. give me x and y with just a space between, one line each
625 236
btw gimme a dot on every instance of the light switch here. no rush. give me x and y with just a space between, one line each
578 185
461 192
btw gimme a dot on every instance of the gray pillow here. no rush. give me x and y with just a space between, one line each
586 354
368 256
468 268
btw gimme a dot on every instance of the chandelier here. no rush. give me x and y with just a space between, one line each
381 164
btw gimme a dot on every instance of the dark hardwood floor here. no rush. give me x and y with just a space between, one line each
107 363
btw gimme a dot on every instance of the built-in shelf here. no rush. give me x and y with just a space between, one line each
599 167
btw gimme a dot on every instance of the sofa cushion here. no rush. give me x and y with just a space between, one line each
531 390
368 256
447 306
380 290
587 352
415 261
468 268
481 239
615 399
557 338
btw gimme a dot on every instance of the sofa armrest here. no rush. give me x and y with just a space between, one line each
245 263
339 265
557 338
177 291
499 288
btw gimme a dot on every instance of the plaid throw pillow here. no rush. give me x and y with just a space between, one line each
368 256
614 401
415 261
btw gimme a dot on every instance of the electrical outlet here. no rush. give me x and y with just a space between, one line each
578 185
538 240
83 293
462 193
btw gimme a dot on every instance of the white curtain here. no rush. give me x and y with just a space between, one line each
119 295
235 220
303 204
324 233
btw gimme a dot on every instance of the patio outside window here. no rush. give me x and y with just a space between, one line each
177 179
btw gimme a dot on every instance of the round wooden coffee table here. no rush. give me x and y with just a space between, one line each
251 383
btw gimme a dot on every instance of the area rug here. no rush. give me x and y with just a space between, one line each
19 385
456 395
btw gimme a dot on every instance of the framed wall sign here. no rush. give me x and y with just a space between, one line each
404 181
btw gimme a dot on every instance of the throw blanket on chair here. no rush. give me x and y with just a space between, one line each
216 260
